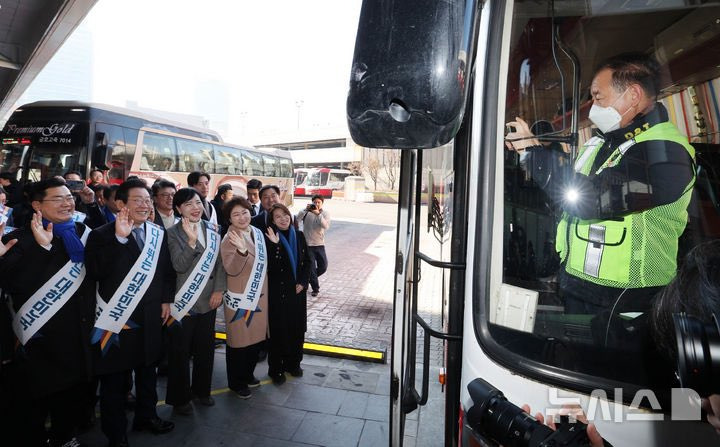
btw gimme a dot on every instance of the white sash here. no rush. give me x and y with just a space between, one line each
49 298
195 283
249 299
115 314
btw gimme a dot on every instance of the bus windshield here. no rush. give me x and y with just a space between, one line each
52 148
577 284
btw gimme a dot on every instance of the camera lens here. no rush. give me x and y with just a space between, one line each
501 420
698 356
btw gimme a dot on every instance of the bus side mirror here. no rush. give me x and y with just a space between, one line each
102 153
410 73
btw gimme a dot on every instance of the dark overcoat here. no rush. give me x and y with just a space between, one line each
288 310
58 356
108 262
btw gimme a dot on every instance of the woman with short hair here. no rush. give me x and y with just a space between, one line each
289 269
195 251
245 259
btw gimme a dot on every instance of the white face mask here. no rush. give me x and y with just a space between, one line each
606 119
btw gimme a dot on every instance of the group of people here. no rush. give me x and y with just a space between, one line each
103 294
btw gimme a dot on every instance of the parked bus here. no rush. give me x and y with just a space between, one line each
300 176
49 138
321 181
440 80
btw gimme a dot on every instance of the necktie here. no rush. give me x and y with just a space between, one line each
139 236
207 209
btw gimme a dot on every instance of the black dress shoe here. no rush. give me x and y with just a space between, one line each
208 401
185 409
278 379
297 372
157 426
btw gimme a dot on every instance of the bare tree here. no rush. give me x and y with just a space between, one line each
392 161
372 166
355 167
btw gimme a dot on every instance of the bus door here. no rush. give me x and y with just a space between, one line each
389 107
402 371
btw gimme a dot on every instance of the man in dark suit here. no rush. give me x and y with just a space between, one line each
253 195
201 182
49 372
269 196
163 192
111 253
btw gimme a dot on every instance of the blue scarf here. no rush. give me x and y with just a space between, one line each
108 214
291 248
68 235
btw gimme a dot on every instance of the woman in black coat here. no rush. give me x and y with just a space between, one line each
288 274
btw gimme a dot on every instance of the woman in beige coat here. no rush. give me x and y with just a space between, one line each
247 323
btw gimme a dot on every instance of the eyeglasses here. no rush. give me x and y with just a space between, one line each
138 202
61 200
167 195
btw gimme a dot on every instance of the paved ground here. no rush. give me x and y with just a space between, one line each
337 402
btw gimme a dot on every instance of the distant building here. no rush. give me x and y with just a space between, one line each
69 73
330 148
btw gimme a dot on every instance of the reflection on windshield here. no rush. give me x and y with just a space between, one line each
46 162
10 156
589 240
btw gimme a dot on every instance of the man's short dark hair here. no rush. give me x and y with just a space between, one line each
123 191
194 177
72 172
232 203
39 189
8 176
94 171
317 196
108 191
254 183
633 68
266 187
183 195
161 184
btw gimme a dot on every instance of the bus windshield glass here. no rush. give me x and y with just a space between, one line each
593 231
53 148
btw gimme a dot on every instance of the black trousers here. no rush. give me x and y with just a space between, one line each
194 338
113 395
286 351
26 419
241 364
318 264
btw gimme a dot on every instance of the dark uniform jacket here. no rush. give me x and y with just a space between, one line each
288 310
260 220
58 357
108 261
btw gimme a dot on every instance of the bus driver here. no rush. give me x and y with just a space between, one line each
625 204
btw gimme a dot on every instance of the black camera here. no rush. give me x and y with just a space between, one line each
493 416
698 354
311 207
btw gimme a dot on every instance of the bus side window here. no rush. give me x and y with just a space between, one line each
157 149
198 156
252 163
227 160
